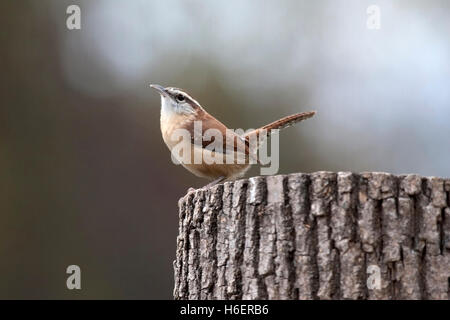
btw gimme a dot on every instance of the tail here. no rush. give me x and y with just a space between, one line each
281 124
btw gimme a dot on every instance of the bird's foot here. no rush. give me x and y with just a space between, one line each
191 190
218 180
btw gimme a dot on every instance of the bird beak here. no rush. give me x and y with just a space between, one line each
159 88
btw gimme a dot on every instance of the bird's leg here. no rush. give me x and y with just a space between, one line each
218 180
191 190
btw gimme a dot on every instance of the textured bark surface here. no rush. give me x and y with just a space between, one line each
316 236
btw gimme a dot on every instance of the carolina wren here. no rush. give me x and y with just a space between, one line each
179 111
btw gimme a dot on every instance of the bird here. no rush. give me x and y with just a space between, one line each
189 131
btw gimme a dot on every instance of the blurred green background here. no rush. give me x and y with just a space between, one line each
85 176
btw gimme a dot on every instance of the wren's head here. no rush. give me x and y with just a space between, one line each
175 100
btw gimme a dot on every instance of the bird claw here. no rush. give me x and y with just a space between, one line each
190 190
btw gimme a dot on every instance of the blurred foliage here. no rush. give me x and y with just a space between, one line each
86 178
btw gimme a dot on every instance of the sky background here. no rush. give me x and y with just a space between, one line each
85 176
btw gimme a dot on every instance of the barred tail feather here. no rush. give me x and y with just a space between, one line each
289 120
282 123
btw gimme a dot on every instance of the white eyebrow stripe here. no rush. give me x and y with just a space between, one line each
176 91
195 101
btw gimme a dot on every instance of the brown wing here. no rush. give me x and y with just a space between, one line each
235 142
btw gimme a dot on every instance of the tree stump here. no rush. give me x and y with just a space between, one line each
316 236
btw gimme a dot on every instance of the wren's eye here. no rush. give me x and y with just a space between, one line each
180 97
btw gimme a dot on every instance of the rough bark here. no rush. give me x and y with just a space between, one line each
316 236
